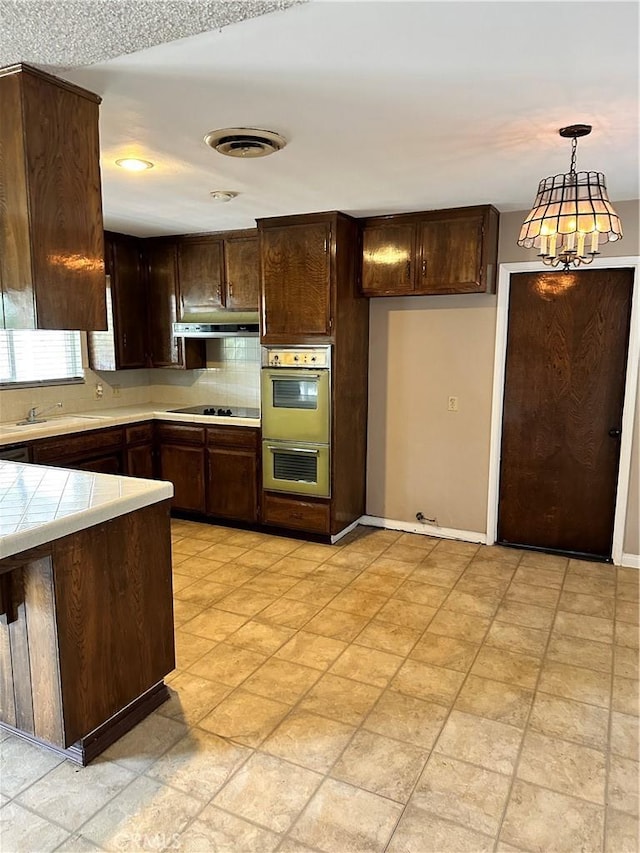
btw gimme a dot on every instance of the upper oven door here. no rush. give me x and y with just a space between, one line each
296 405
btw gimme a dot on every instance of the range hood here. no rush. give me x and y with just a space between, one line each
219 324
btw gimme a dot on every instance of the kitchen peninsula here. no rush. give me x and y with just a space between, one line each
86 618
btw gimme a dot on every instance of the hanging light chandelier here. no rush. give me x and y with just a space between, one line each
571 215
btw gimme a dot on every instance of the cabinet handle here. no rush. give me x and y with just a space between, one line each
218 294
124 339
230 288
408 271
424 267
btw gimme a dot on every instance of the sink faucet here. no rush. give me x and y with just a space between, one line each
32 416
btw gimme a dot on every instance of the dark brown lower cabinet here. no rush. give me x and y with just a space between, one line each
232 481
96 450
140 450
296 513
183 466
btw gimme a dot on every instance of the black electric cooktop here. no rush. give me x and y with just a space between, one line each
220 411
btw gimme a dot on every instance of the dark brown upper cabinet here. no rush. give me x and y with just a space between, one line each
242 280
51 239
434 252
161 264
297 259
388 252
200 273
217 271
125 343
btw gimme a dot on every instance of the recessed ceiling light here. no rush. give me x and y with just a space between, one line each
133 164
245 141
222 195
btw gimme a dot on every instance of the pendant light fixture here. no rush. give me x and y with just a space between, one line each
572 214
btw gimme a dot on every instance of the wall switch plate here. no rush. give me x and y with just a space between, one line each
452 404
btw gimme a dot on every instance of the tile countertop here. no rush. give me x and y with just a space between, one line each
39 504
11 433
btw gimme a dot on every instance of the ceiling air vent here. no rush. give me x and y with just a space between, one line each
245 141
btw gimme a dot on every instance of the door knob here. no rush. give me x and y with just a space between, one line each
615 433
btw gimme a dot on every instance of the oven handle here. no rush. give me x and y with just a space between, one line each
273 448
279 377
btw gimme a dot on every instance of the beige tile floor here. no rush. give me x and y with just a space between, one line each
395 693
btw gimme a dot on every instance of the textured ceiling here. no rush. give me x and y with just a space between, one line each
68 33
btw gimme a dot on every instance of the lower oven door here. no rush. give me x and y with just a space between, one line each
296 468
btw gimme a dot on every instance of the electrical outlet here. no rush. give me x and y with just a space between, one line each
116 390
452 405
99 392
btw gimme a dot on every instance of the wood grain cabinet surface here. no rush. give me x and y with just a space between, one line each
51 237
296 278
434 252
125 343
160 258
217 271
232 473
90 635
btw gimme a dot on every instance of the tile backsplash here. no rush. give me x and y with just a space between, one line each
232 377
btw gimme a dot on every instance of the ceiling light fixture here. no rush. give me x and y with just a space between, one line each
245 141
133 164
571 214
223 195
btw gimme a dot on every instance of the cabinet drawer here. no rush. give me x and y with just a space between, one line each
292 513
139 433
233 437
85 444
179 434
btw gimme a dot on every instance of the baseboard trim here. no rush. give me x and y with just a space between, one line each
424 529
338 536
630 561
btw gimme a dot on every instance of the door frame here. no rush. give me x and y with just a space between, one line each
505 271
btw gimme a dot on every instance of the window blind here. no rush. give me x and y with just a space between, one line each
40 357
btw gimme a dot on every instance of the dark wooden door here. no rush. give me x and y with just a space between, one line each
241 273
130 304
200 277
296 281
563 397
388 259
232 484
184 467
450 255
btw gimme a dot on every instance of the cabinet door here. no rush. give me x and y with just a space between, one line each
388 259
130 304
200 277
51 240
162 290
241 273
184 467
140 461
296 281
232 484
450 255
110 464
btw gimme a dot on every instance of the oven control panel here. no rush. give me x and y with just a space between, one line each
318 357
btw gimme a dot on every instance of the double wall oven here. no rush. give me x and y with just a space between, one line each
296 420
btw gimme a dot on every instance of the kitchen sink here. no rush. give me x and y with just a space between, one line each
64 421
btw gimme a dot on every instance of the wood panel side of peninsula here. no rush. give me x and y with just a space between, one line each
86 635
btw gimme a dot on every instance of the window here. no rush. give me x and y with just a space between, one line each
42 357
